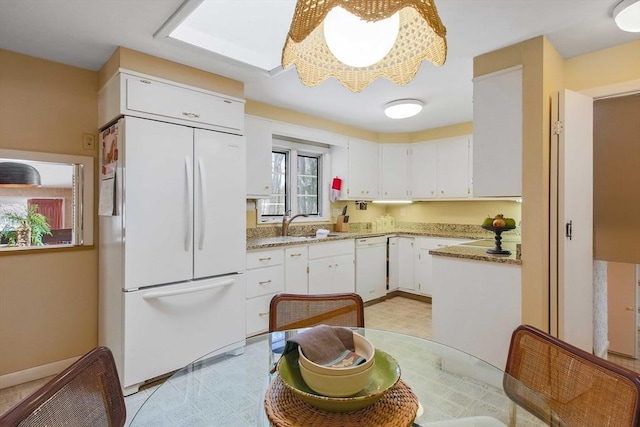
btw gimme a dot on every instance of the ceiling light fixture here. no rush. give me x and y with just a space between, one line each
399 34
627 15
14 174
403 108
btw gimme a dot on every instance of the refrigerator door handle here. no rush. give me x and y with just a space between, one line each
189 204
162 294
203 202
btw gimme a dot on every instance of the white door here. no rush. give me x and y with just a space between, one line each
572 158
394 168
424 160
423 271
321 276
219 201
363 181
296 277
344 274
453 168
621 308
170 326
157 202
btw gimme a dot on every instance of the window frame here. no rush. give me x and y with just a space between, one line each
293 149
83 222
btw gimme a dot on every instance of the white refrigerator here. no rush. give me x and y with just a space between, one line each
172 245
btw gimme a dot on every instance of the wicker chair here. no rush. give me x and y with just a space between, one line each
564 385
291 311
86 394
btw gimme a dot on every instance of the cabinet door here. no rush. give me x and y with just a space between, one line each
424 160
194 106
497 134
423 281
321 276
158 196
363 179
401 263
219 182
394 263
296 277
258 133
453 168
344 274
394 168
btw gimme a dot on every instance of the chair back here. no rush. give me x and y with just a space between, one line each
292 311
86 394
564 385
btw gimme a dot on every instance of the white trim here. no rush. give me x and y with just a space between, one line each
35 373
497 73
617 89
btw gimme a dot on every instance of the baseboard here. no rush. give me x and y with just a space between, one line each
35 373
417 297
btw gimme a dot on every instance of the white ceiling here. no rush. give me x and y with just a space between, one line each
85 33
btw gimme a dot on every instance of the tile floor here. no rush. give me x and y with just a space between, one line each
395 314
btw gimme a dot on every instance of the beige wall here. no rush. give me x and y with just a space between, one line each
616 179
48 301
158 67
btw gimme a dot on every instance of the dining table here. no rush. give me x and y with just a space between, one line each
236 386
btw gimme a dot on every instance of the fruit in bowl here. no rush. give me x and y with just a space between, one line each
499 221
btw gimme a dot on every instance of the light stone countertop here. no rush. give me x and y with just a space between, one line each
478 253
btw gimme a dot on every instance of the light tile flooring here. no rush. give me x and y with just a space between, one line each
395 314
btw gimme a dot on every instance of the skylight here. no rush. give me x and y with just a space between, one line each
225 28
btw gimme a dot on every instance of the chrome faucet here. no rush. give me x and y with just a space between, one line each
286 222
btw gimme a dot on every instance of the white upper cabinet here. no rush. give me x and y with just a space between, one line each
259 136
440 169
497 134
453 177
424 161
394 171
148 97
357 165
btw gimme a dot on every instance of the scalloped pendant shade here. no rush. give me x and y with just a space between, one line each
421 36
14 174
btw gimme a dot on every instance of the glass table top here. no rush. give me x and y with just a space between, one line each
227 387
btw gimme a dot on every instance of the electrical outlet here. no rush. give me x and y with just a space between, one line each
88 141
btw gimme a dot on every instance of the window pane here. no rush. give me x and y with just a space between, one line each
277 203
307 184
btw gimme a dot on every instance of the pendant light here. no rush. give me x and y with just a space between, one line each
14 174
395 37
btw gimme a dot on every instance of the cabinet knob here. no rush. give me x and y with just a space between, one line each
263 313
266 187
265 282
441 191
295 255
189 114
264 259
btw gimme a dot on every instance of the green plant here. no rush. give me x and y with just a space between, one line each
32 220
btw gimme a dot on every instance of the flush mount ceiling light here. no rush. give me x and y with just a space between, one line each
14 174
357 41
403 108
627 15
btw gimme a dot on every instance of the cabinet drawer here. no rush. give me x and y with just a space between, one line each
265 258
163 99
264 281
322 250
258 314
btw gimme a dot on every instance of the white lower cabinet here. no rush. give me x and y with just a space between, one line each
423 270
296 270
265 278
332 267
401 264
476 306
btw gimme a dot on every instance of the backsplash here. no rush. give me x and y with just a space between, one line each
365 227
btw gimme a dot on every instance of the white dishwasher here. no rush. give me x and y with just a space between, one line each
371 267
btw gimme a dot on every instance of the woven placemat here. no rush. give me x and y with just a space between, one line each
396 408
